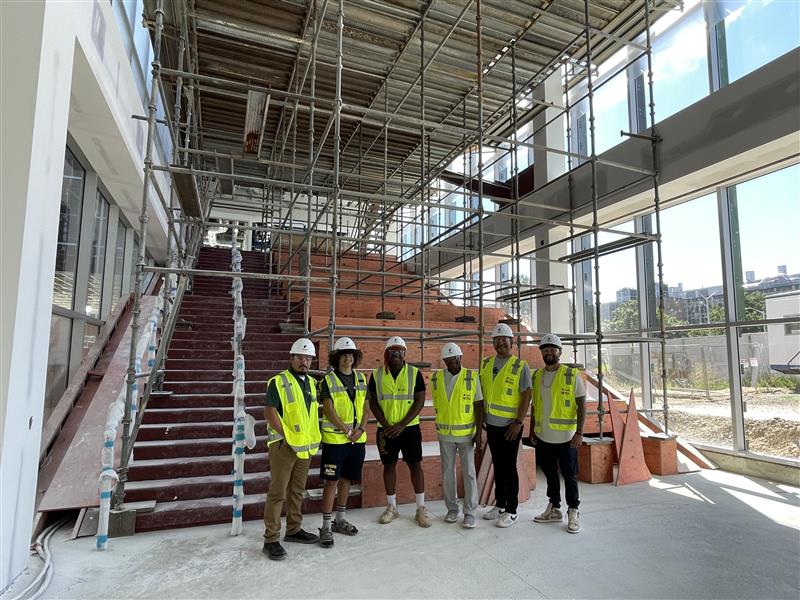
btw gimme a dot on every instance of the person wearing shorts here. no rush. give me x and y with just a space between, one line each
396 394
343 394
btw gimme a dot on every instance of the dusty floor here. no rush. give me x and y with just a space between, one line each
702 535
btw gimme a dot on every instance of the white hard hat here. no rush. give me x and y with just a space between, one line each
344 343
395 340
303 346
451 350
550 339
502 330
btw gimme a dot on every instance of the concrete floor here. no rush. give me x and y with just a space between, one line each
702 535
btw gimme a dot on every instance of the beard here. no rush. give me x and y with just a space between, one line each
550 359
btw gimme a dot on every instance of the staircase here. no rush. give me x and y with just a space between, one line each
182 455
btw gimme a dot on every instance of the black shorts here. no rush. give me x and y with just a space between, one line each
342 461
409 441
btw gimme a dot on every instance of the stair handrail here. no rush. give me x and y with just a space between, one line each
108 474
243 423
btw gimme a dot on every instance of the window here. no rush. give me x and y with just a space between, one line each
119 265
764 215
69 229
57 362
97 261
680 62
791 328
692 271
752 33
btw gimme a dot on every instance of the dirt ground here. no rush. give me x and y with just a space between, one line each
772 419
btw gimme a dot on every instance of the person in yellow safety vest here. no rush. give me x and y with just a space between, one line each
396 394
557 417
458 402
344 437
293 437
506 385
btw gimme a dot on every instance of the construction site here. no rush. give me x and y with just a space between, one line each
624 174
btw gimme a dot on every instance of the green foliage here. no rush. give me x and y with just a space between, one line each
776 380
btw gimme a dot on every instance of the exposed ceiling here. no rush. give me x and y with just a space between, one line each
268 44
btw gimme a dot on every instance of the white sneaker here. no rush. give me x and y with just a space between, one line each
493 513
452 516
573 520
507 520
550 515
388 515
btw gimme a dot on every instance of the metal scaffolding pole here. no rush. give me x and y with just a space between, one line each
421 262
336 175
479 65
595 223
313 68
119 492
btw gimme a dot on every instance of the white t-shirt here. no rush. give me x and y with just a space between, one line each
555 436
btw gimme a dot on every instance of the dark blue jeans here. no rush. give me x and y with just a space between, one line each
554 458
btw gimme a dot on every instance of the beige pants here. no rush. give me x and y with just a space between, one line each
288 484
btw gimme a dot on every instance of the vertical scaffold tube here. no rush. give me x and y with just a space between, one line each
479 65
140 263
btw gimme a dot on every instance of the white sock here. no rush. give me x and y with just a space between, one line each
391 500
420 498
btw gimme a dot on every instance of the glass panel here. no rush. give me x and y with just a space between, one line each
97 261
680 62
119 265
771 385
694 292
765 213
57 362
697 387
69 229
89 337
757 32
134 261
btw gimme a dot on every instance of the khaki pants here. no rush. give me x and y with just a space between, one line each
288 484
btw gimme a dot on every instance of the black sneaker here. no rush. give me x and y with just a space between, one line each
301 537
326 538
274 550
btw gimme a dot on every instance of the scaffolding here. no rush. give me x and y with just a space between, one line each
324 141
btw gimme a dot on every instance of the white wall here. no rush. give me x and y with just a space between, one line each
63 67
782 347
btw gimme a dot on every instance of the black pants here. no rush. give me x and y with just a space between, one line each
504 460
554 458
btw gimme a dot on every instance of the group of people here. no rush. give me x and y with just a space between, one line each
495 398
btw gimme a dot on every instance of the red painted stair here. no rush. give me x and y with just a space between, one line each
182 456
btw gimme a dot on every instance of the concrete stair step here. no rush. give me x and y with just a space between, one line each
224 374
211 387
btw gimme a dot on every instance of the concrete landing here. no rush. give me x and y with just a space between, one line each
710 534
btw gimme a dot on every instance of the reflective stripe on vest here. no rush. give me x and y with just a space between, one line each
300 424
396 395
501 393
349 411
455 415
563 408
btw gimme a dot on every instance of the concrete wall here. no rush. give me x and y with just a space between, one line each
64 68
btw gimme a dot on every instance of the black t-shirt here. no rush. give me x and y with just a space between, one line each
348 381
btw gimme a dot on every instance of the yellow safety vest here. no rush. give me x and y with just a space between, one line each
350 412
300 424
563 410
455 416
396 395
501 393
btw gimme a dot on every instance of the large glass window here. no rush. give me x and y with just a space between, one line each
69 229
765 219
680 62
57 361
698 387
692 272
755 33
97 261
119 265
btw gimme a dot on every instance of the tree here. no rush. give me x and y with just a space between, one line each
626 317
